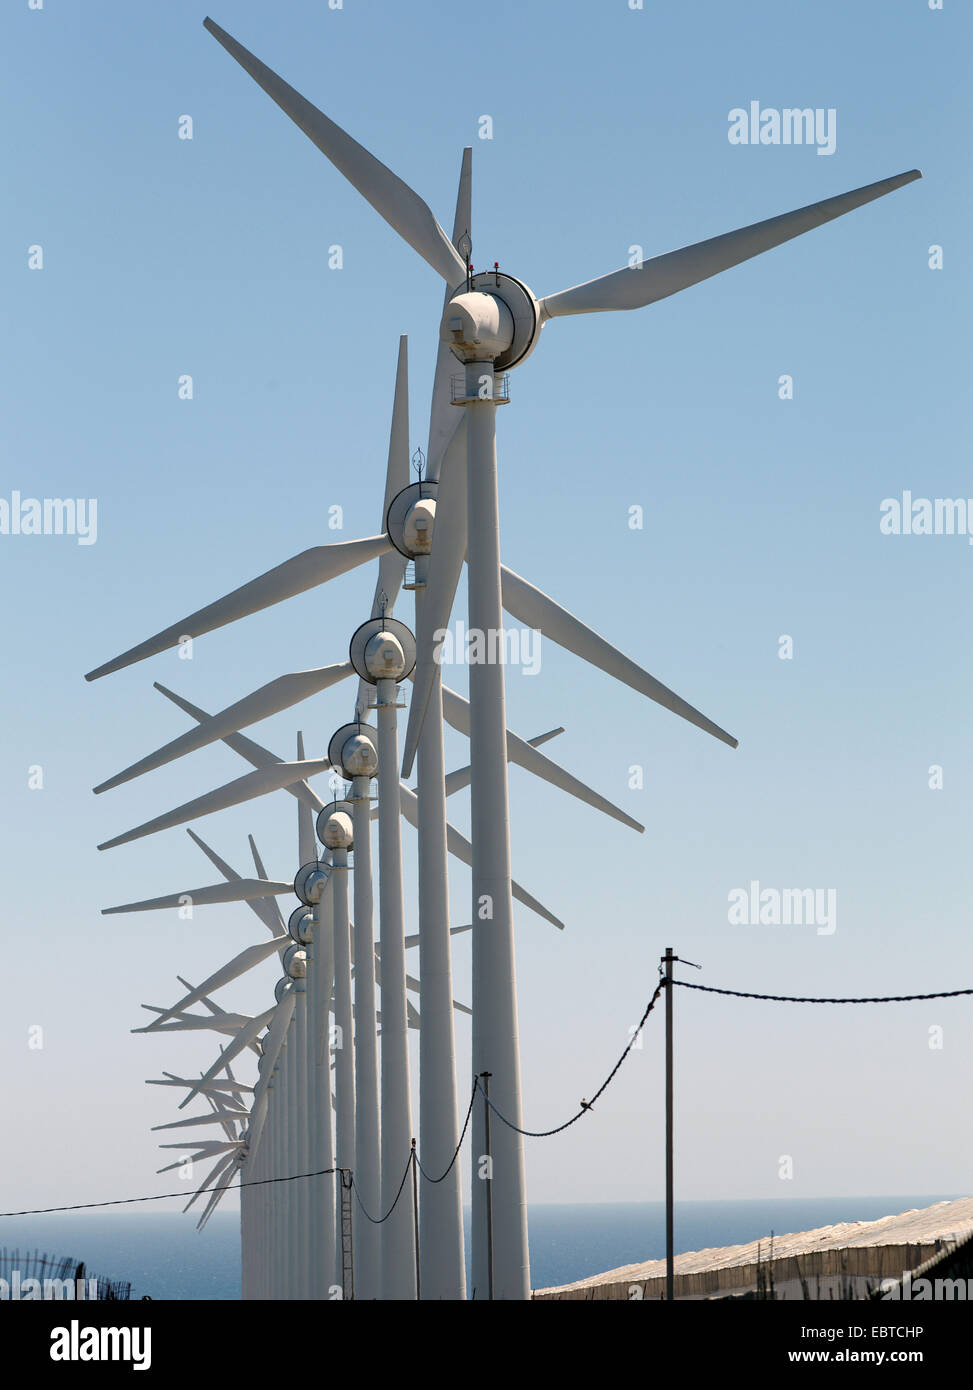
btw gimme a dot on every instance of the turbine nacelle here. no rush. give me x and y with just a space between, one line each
418 527
383 649
310 883
354 753
384 657
337 831
478 327
295 962
493 318
359 756
411 519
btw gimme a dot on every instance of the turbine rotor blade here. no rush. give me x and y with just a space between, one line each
456 711
244 1038
240 891
211 1119
239 965
444 418
539 610
391 567
462 776
245 788
304 571
661 276
401 207
445 568
460 847
250 752
270 699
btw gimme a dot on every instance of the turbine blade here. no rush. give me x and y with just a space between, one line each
460 847
225 1089
270 699
240 891
456 711
444 418
229 874
445 567
239 965
401 207
277 1031
456 781
265 908
540 611
230 1024
218 1193
391 567
253 753
214 1175
198 1120
243 1039
307 845
657 278
205 1148
304 571
413 941
257 1117
245 788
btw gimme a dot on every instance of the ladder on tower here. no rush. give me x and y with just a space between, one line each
347 1249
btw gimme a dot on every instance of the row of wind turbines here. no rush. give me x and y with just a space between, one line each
332 1094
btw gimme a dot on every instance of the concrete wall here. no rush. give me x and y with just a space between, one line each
827 1273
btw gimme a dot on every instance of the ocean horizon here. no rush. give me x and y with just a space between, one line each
163 1256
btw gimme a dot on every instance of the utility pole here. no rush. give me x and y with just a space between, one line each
668 960
485 1078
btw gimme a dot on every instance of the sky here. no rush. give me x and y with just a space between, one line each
209 257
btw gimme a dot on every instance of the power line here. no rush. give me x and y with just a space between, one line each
455 1156
800 999
378 1220
584 1108
585 1105
163 1196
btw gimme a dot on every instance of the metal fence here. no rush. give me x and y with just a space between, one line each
54 1276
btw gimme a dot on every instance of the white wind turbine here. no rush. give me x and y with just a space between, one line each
444 1246
491 323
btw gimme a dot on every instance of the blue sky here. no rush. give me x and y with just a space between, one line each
210 257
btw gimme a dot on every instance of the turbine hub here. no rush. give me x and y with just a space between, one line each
382 649
419 523
411 519
337 831
309 883
359 757
352 753
384 657
477 327
300 925
494 317
295 962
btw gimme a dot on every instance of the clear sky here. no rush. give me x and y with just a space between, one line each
209 257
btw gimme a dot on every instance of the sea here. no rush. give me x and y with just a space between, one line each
163 1256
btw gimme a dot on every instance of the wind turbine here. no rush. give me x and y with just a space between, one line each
491 323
